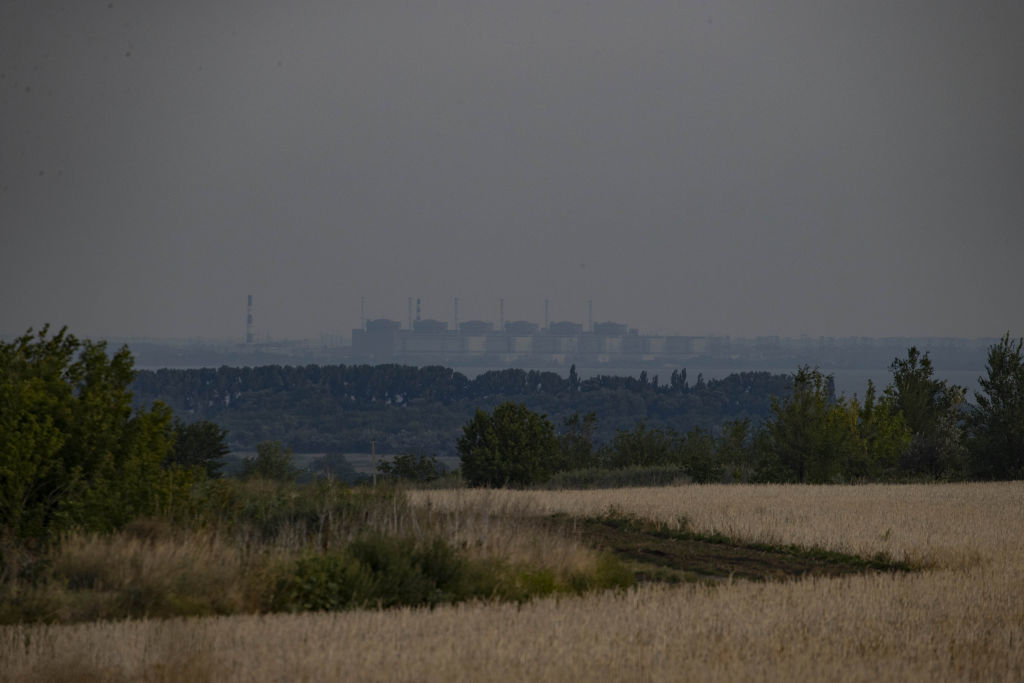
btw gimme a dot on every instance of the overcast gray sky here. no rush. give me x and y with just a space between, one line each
744 168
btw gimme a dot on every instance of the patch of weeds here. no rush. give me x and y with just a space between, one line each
657 552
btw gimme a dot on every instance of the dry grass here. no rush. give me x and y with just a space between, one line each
961 620
493 528
944 525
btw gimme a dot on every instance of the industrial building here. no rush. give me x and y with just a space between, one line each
478 342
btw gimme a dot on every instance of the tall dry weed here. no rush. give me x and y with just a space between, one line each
168 573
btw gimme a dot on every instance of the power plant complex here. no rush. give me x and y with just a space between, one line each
482 342
559 344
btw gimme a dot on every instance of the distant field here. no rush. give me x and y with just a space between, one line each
962 618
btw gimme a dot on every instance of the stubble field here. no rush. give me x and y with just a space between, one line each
960 618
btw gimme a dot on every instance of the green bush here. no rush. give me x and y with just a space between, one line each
73 453
331 581
378 571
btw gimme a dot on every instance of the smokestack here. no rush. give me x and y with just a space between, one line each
545 314
410 312
248 322
456 314
590 315
501 314
417 309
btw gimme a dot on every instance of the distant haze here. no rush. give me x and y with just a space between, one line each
743 168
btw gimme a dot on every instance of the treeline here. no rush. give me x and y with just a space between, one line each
919 428
422 410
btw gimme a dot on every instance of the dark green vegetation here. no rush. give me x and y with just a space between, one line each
73 453
655 552
919 429
339 408
514 446
747 427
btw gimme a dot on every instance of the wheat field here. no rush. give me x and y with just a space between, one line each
962 618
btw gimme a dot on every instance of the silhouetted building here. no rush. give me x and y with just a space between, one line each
565 329
521 328
476 327
378 341
610 329
428 326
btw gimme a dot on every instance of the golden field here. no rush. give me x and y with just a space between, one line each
961 618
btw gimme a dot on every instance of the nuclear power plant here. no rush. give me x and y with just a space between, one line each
420 340
598 346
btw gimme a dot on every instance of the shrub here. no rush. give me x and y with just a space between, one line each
379 570
73 454
513 446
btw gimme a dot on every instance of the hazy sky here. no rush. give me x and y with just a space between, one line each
744 168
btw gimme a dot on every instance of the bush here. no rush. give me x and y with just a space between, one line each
380 570
414 468
73 454
271 462
514 446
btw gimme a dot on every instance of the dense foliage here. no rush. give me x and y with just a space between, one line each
513 446
73 453
272 462
919 428
199 444
996 424
422 410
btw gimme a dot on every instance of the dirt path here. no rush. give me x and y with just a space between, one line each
659 554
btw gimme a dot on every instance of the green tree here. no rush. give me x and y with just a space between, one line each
811 436
574 380
513 446
411 467
643 447
884 434
699 457
734 450
997 420
271 462
576 442
200 444
72 452
932 410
